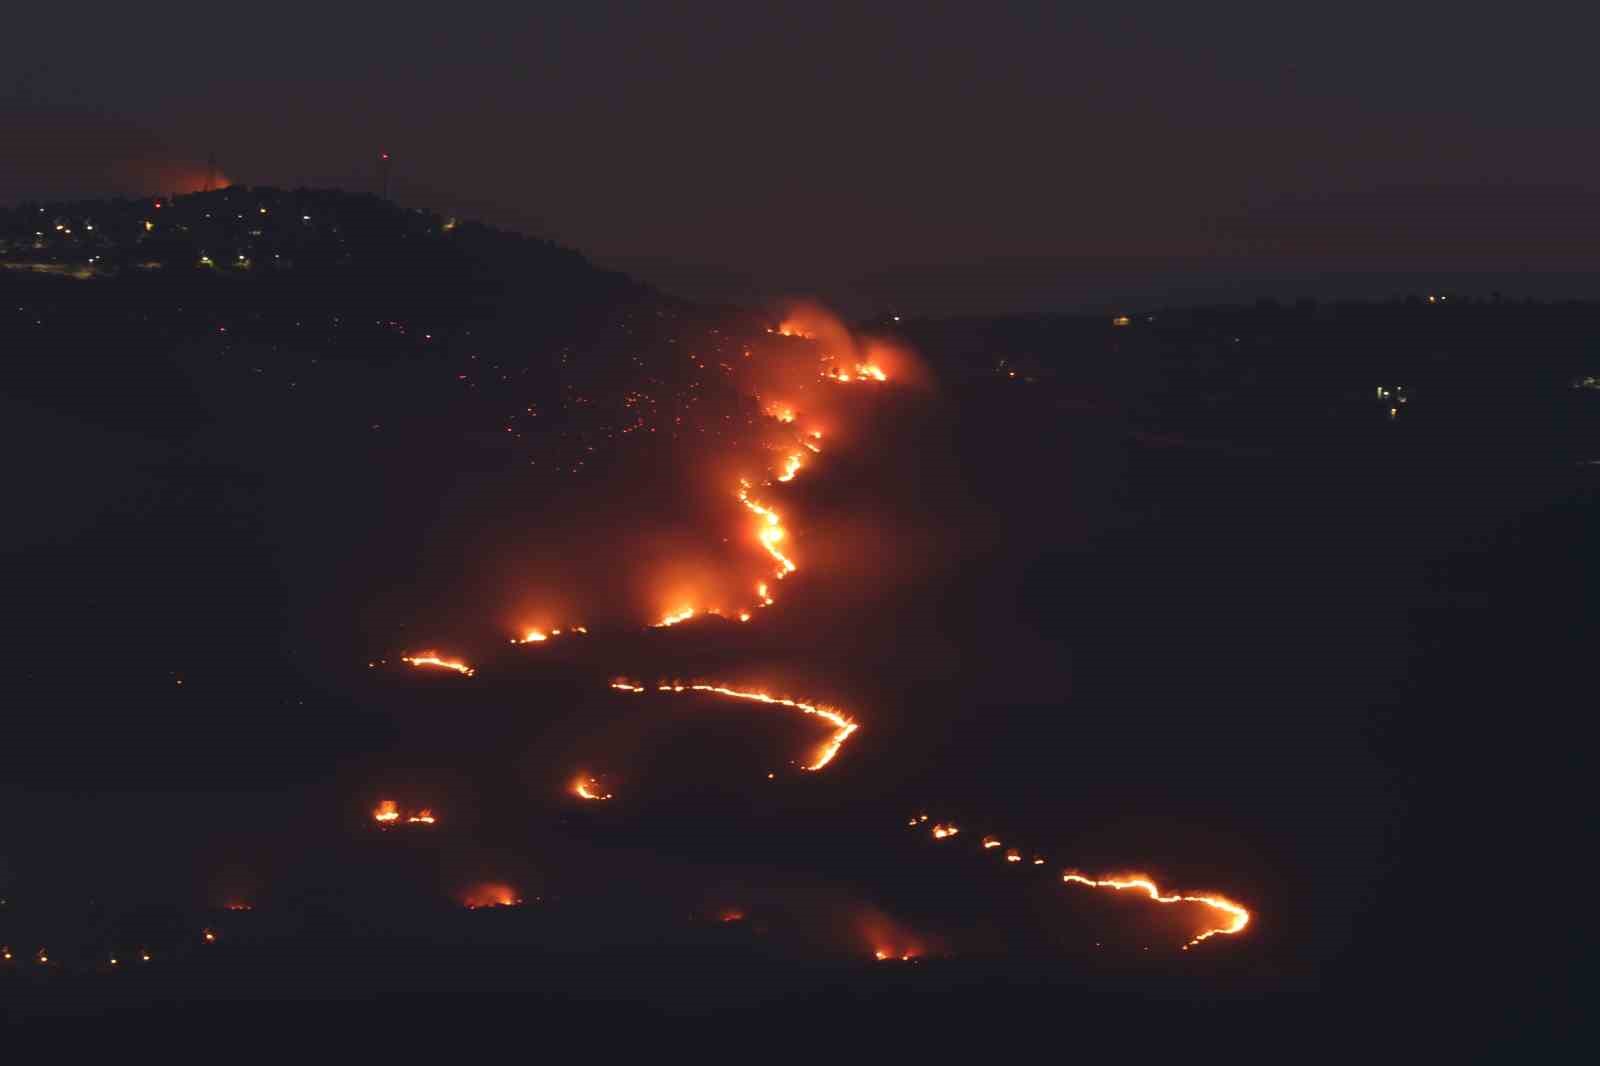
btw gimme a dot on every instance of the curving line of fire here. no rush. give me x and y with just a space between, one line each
1238 916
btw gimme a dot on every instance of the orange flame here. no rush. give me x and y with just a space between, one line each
844 727
862 372
431 658
682 615
588 788
387 813
540 636
1239 916
771 534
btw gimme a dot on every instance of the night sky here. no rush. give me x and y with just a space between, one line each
930 158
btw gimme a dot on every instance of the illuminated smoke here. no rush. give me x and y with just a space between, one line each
489 894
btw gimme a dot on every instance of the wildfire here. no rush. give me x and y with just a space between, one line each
771 534
388 813
890 956
791 466
431 658
1239 916
539 636
588 788
675 617
844 727
862 372
490 894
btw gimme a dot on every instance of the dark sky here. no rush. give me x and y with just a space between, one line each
929 157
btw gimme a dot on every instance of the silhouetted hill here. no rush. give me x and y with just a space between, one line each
305 259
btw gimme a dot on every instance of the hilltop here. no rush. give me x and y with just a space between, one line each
290 262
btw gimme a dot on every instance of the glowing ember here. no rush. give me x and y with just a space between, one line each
431 658
209 936
991 842
1013 855
942 831
843 726
1239 917
422 817
588 788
